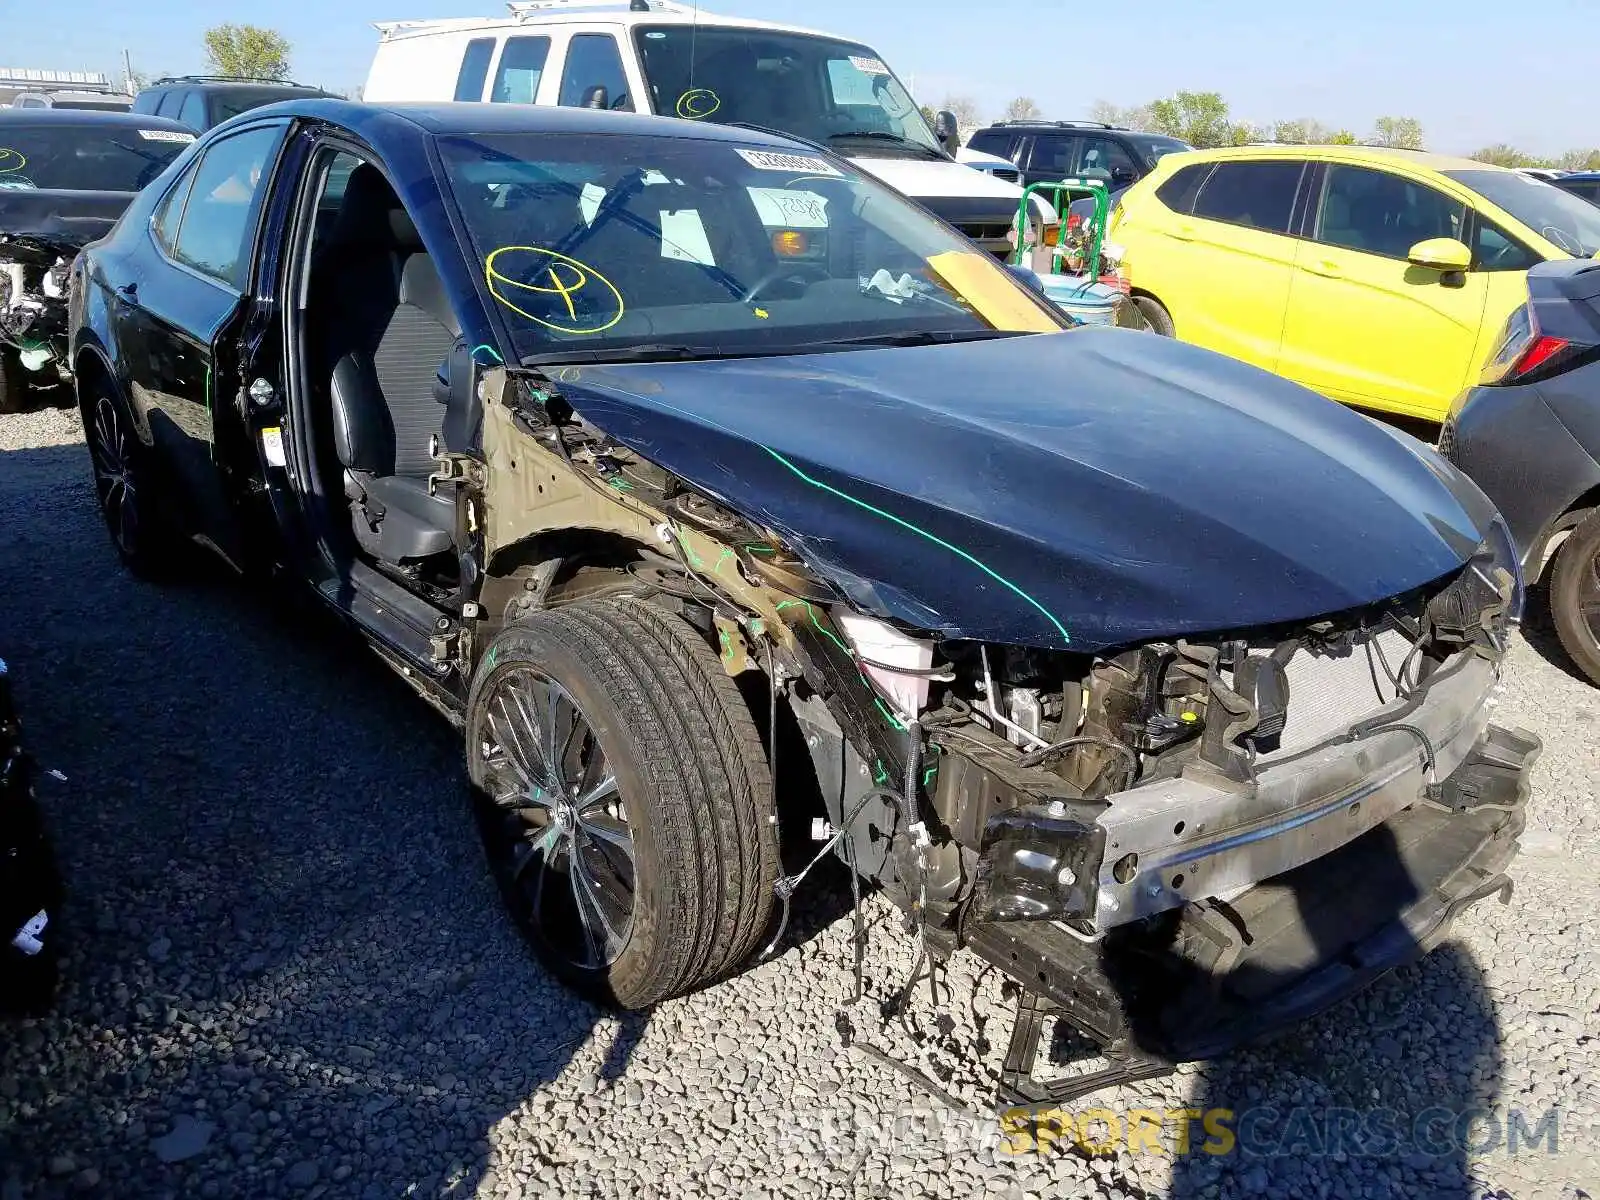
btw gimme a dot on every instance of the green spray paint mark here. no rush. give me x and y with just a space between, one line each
727 644
818 625
621 484
490 658
722 558
758 548
879 773
695 560
889 716
490 349
936 540
929 774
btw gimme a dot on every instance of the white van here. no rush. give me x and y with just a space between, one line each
661 57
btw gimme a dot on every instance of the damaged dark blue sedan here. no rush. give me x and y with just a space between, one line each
698 478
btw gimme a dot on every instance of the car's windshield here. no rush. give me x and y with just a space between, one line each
595 246
1559 217
1152 147
86 157
839 93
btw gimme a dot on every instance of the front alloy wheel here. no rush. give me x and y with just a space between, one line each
563 819
624 798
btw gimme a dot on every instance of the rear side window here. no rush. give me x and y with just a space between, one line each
164 226
220 217
474 69
1178 193
145 102
169 105
193 112
594 63
1257 195
993 141
516 81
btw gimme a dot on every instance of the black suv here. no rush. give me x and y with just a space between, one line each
201 101
1049 150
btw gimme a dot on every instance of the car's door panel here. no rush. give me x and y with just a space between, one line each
1363 324
1235 250
175 319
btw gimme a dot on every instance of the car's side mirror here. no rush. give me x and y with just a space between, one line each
596 97
1440 254
947 129
1027 278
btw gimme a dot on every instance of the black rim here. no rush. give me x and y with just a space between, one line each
566 843
113 475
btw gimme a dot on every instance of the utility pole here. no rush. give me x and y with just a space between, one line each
127 71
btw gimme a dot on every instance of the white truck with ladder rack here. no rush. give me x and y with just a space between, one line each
656 56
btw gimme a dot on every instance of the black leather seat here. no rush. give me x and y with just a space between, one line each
391 328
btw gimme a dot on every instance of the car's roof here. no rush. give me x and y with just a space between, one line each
87 116
1418 159
1580 176
236 85
533 22
1073 127
463 119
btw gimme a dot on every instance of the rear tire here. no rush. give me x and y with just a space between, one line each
1575 595
13 381
679 855
1155 313
144 541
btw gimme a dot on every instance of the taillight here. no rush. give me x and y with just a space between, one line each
1524 353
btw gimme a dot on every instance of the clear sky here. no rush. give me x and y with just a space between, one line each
1475 72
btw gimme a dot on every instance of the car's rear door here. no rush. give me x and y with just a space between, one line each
1364 325
1230 258
184 316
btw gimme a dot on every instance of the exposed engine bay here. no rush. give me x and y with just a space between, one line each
34 277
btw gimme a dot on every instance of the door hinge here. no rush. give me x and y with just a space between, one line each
454 469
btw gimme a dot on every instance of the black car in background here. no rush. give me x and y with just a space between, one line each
1583 184
1049 150
65 177
201 101
1529 435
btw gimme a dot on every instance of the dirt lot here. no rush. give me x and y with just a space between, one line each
289 975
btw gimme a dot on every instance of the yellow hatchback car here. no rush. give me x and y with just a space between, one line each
1382 278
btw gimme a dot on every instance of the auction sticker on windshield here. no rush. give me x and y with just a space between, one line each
869 66
166 135
774 160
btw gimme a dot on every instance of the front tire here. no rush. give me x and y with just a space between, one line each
1155 312
627 809
1575 595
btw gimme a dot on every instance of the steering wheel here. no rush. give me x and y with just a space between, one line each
790 270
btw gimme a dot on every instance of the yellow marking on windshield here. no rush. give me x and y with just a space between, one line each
565 277
992 294
698 103
6 156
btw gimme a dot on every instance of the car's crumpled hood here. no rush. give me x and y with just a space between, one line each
1103 486
65 220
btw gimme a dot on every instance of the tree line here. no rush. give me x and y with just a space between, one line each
1203 120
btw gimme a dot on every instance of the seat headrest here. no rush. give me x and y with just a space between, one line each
371 214
421 287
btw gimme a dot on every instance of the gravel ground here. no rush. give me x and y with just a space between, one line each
288 973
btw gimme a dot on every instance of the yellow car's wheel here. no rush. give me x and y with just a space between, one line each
1154 312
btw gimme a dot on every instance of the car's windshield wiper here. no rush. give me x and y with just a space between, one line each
919 337
645 352
879 135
